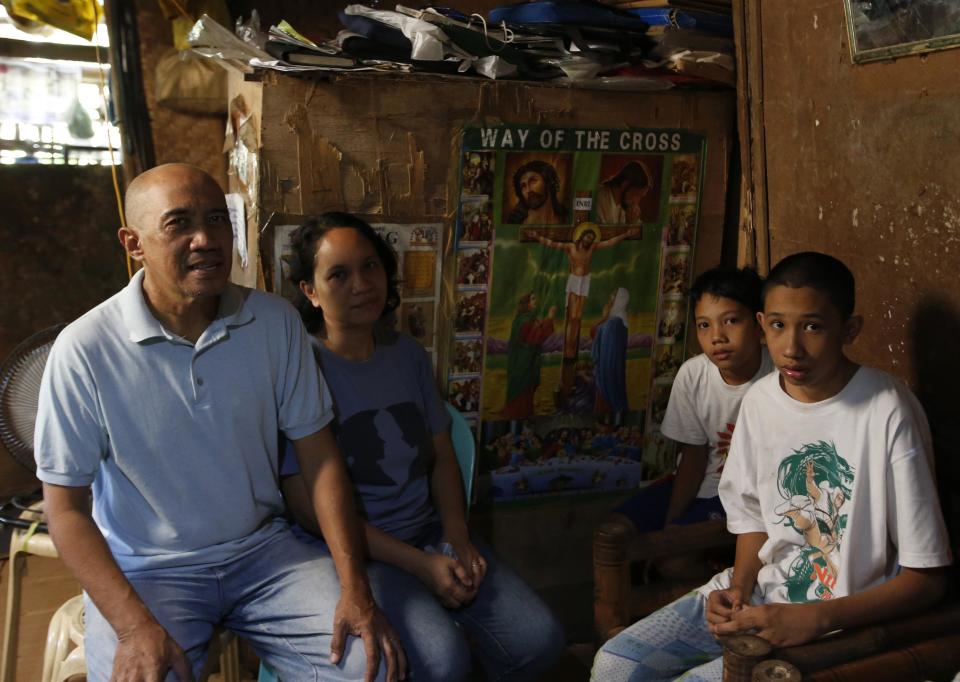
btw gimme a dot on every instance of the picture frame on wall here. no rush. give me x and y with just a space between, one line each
885 29
274 248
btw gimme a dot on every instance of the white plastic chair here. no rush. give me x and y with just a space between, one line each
63 656
23 541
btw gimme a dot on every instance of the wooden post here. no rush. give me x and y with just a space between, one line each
611 579
740 654
773 670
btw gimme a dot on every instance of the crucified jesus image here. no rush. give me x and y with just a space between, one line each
586 240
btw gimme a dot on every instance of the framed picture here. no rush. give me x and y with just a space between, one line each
884 29
275 253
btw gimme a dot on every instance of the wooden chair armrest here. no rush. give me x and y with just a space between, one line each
617 541
616 544
676 540
933 659
843 647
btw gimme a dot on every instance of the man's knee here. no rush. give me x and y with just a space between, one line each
100 646
353 664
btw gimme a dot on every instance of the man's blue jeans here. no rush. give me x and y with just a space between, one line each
280 597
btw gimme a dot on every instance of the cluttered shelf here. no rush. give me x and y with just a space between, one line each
564 43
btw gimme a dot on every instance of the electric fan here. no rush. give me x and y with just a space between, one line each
19 392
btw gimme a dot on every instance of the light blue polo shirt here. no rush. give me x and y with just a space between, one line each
179 441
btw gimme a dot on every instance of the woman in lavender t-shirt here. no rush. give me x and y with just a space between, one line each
439 586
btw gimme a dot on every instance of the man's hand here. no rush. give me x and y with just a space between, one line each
552 313
447 578
145 653
780 624
359 616
633 231
722 605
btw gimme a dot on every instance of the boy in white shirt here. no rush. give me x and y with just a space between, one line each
704 403
829 488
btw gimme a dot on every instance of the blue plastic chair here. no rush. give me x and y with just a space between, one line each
465 447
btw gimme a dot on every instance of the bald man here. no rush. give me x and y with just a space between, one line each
167 400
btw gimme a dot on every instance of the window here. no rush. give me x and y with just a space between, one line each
51 109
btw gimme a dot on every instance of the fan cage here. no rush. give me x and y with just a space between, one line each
20 377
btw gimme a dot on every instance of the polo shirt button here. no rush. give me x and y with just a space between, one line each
199 381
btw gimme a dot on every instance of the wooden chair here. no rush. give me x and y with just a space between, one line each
921 647
616 545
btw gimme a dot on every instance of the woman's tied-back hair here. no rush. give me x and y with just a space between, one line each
743 286
304 241
818 271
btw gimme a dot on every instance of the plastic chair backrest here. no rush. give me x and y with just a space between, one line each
267 674
465 448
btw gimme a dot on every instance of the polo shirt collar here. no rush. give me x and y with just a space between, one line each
142 325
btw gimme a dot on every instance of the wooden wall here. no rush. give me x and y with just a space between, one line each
385 146
862 163
177 137
59 257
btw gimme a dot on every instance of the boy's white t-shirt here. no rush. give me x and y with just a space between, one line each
703 410
843 488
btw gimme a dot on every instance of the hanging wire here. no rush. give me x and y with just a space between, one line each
113 160
180 8
507 33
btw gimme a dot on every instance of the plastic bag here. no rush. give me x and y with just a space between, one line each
210 39
190 84
183 14
73 16
79 124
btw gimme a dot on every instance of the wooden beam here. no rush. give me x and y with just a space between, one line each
754 242
24 49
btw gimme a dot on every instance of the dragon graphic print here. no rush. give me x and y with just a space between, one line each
815 484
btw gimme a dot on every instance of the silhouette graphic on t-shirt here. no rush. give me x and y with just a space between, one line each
385 447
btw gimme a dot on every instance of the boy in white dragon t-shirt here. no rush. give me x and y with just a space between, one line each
829 488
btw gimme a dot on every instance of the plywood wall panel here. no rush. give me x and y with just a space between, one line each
386 146
861 163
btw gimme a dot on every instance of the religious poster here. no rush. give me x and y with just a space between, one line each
418 254
572 260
